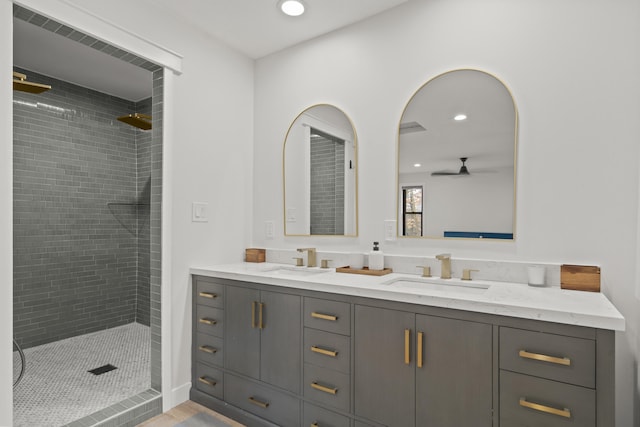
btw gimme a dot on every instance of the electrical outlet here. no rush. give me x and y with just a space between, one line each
269 229
199 212
390 230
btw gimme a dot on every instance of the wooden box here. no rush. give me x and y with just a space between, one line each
580 277
255 255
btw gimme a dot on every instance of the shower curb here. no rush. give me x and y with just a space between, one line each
126 413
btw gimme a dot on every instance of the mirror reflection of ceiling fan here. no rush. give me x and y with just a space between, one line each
464 171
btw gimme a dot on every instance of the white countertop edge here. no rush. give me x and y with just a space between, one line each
549 304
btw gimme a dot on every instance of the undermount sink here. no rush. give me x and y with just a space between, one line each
442 285
298 271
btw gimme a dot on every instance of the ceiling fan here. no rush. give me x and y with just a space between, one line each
463 170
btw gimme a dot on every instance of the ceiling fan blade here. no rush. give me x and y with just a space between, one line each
442 173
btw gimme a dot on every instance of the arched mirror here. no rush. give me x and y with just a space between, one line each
320 174
457 142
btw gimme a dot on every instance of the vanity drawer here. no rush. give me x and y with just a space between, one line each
534 402
330 316
314 416
262 401
209 320
556 357
327 350
328 387
209 293
209 380
209 349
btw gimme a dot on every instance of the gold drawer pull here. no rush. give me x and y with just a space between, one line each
208 349
207 321
419 345
324 316
323 351
542 408
544 358
207 381
209 295
324 389
256 402
407 338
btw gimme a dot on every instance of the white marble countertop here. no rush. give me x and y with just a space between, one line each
550 304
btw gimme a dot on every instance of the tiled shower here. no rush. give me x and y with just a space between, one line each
87 231
81 209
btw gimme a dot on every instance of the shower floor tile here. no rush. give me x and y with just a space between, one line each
57 387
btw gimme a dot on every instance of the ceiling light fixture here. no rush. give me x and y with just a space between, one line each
460 117
417 165
291 7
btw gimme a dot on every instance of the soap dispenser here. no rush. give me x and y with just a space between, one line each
376 258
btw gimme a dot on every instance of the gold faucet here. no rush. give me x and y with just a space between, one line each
311 256
445 269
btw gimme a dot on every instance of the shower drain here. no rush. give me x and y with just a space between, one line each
103 369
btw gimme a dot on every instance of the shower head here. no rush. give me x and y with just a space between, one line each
20 83
142 121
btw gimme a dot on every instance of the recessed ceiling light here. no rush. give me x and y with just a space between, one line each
291 7
417 165
460 117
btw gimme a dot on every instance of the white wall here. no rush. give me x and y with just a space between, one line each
6 216
210 160
573 67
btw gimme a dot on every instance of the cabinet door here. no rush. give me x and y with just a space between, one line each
242 335
281 341
454 377
384 382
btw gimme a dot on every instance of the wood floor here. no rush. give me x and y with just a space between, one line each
181 413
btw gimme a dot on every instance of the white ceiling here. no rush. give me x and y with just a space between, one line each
253 27
258 28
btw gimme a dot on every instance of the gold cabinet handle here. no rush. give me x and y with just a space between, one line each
207 381
407 338
256 402
209 295
207 321
566 413
544 358
419 345
324 389
324 316
323 351
260 322
208 349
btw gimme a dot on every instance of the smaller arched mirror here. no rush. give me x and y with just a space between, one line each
320 174
456 158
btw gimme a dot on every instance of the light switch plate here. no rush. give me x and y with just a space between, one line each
390 230
200 212
269 229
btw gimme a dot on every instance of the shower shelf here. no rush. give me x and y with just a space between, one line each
123 216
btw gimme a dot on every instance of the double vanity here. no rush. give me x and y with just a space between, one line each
281 345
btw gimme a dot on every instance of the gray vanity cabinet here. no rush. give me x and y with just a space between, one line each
417 370
384 378
270 356
263 336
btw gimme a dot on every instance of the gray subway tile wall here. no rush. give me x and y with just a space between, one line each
79 249
327 155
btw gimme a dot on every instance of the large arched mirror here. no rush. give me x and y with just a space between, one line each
457 143
320 174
